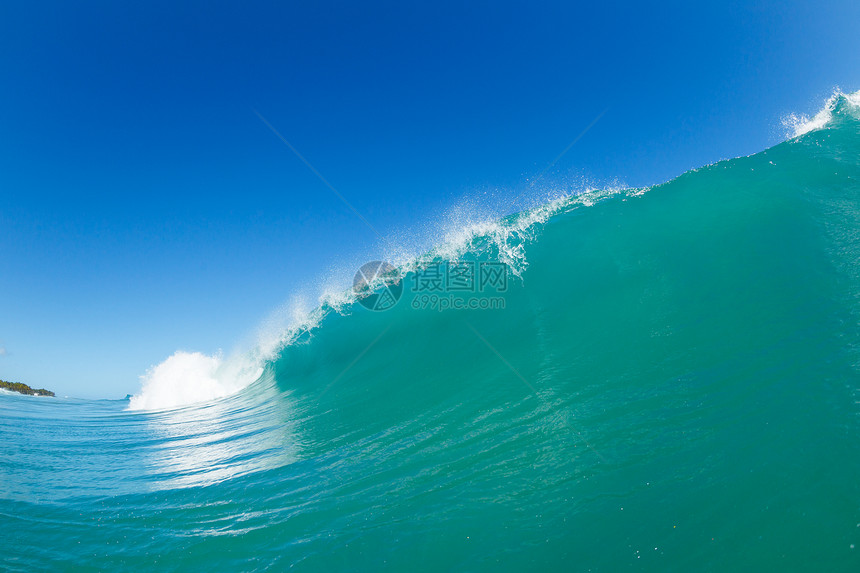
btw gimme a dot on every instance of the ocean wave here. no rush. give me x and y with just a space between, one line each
192 377
668 356
187 378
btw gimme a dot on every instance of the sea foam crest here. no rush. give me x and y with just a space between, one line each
188 377
800 124
191 377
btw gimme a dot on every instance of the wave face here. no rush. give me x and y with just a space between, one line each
668 381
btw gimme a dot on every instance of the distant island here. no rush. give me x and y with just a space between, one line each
24 389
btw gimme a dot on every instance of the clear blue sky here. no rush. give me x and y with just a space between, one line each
145 208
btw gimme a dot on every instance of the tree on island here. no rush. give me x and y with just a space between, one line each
24 389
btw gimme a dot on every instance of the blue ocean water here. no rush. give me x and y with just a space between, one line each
665 379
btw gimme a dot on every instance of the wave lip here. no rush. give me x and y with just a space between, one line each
187 378
801 124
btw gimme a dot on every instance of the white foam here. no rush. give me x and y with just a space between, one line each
189 377
184 377
800 124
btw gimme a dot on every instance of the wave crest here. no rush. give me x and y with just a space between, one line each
800 124
191 377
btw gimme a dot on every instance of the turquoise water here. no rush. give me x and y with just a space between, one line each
671 385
